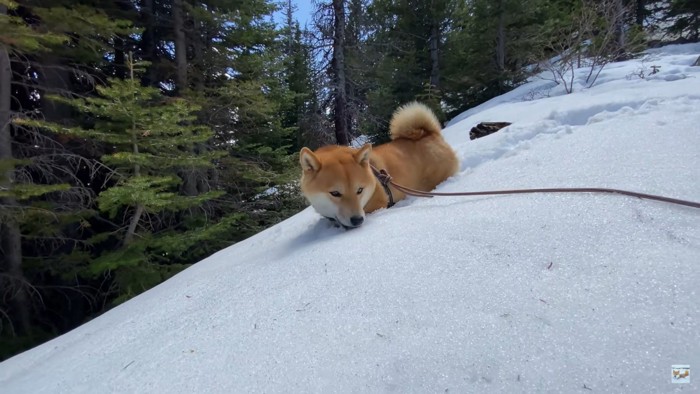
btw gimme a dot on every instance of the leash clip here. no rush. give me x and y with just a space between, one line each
384 177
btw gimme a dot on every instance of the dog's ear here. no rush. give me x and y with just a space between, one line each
362 155
308 160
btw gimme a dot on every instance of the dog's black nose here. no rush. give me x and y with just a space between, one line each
357 220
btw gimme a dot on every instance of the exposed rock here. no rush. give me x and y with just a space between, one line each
486 128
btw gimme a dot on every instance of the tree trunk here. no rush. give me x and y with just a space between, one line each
55 80
180 46
133 224
192 178
10 235
190 181
199 42
148 42
131 231
119 58
620 30
289 20
640 12
434 44
338 69
126 7
501 38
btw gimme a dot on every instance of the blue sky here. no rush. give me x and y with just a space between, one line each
304 11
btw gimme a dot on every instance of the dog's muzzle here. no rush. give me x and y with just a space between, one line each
356 222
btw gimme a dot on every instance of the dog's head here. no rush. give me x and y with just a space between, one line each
338 182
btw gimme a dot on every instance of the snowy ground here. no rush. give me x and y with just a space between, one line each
533 293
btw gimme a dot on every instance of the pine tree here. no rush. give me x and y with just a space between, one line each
297 88
339 74
488 47
231 66
405 44
360 60
42 200
150 139
337 43
685 18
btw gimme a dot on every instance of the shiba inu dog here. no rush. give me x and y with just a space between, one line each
338 180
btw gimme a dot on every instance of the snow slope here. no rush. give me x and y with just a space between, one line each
533 293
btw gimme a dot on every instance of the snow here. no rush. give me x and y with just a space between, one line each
360 140
527 293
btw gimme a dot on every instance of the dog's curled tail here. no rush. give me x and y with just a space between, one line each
413 121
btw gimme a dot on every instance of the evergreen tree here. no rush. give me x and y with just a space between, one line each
684 16
150 138
231 66
297 101
340 26
42 199
338 70
488 46
407 41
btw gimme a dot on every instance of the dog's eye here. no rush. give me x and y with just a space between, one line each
335 194
360 190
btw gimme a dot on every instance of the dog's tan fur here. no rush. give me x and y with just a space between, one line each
417 157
